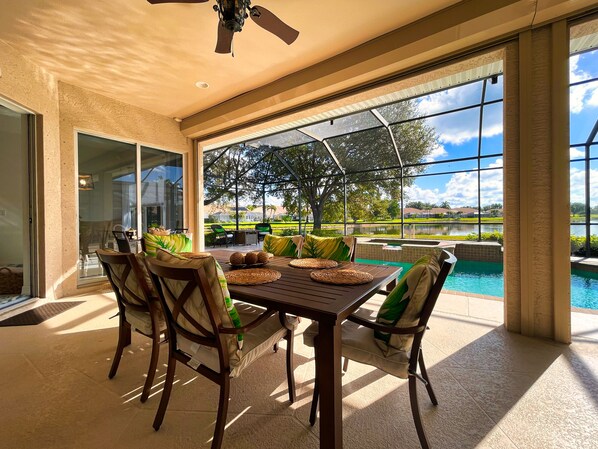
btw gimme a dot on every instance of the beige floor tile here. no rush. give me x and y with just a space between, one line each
495 390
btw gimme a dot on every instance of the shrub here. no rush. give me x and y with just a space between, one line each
487 237
326 232
578 246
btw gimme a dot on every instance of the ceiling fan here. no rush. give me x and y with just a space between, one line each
232 15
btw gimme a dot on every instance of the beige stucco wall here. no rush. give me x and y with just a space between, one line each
63 109
87 111
36 90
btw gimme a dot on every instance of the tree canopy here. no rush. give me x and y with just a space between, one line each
364 162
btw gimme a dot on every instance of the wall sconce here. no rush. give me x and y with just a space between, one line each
85 182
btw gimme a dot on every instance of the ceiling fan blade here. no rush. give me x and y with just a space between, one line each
269 22
225 39
155 2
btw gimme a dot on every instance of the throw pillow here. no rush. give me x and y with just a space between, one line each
403 306
176 243
334 248
283 246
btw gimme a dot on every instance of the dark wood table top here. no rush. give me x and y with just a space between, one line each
296 293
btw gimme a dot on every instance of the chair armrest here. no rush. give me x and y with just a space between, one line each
386 328
240 330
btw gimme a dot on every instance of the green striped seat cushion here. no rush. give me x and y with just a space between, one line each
403 306
175 243
283 246
334 248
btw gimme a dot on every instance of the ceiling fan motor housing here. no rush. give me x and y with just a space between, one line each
233 13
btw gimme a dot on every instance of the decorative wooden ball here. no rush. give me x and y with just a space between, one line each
251 258
237 258
262 257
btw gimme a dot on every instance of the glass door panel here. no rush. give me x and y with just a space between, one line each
15 260
107 197
161 189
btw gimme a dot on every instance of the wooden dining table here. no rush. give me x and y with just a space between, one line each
297 294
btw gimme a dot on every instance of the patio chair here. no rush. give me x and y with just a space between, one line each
395 345
124 246
210 335
138 307
263 229
221 235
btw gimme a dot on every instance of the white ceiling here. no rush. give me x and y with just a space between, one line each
152 55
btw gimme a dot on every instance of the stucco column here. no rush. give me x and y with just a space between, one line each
537 266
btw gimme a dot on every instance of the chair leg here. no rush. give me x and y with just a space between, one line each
165 393
275 348
152 367
422 368
345 365
222 411
314 401
124 339
290 366
419 426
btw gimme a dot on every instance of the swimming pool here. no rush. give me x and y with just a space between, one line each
486 278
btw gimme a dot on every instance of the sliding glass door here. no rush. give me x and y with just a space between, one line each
15 206
114 179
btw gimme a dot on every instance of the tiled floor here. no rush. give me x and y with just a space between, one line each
496 390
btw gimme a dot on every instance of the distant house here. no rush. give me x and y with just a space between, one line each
464 212
438 212
411 212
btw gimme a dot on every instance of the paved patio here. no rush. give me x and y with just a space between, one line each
496 389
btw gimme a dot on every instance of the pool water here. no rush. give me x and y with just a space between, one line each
486 278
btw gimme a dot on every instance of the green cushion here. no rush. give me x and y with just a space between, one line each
262 228
283 246
219 290
403 306
175 243
334 248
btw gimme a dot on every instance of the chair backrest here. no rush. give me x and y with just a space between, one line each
411 302
193 303
129 279
122 241
447 263
218 229
264 227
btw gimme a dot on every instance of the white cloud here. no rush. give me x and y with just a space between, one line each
437 152
583 95
577 186
462 189
459 127
575 153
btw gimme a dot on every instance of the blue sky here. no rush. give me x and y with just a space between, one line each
459 133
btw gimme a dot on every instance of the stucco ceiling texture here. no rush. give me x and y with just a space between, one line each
151 56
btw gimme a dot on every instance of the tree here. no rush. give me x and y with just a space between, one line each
224 170
322 181
394 209
445 205
578 209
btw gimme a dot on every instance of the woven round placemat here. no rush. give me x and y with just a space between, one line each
341 277
252 276
313 263
195 255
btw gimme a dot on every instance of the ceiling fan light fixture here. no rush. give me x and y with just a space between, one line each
202 85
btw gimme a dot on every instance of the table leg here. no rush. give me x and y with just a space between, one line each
330 382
